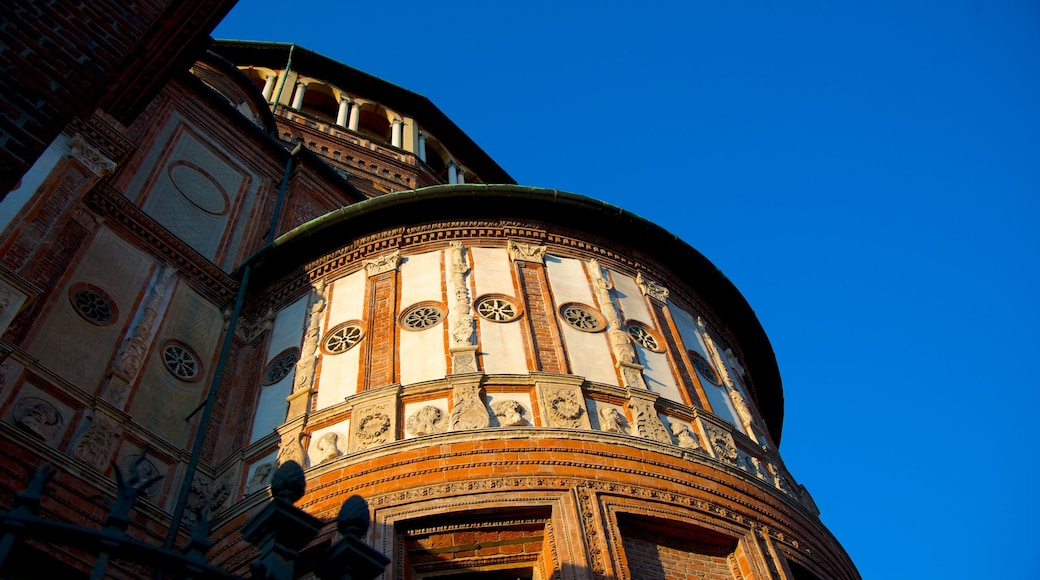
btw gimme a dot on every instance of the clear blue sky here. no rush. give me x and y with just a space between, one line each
868 176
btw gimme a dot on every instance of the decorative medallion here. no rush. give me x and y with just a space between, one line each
281 366
704 368
565 408
582 317
426 421
342 337
93 304
372 426
497 308
198 187
181 361
421 316
644 336
38 417
509 413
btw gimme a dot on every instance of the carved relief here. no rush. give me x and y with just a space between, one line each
373 427
96 445
130 360
684 437
780 480
198 499
387 263
290 449
652 289
144 469
221 491
38 417
620 342
464 360
734 363
648 424
742 409
461 321
509 413
520 252
722 444
91 158
261 477
427 421
328 448
564 408
612 421
469 411
309 353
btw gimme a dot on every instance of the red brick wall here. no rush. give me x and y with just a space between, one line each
545 335
647 559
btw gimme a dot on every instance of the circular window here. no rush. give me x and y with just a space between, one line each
342 337
497 308
421 316
645 337
92 304
181 361
582 317
704 369
281 366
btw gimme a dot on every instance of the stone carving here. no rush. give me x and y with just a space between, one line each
145 471
387 263
509 413
648 424
779 479
373 428
328 448
95 446
290 449
220 494
722 444
684 437
461 320
198 499
469 411
611 420
38 417
426 421
95 162
309 352
564 409
742 409
131 358
651 288
464 360
520 252
261 477
734 363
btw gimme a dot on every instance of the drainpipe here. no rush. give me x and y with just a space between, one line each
285 75
225 349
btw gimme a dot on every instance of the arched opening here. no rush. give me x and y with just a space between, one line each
257 78
318 101
373 122
436 158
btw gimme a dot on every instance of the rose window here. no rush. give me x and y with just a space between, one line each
497 308
704 369
421 316
181 361
342 338
582 317
281 366
92 305
644 336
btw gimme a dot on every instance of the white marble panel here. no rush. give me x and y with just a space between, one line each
501 350
589 354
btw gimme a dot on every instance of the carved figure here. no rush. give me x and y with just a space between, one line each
309 352
95 446
426 421
648 423
651 288
261 477
382 264
611 421
509 413
461 319
722 444
38 417
519 252
685 439
469 411
144 470
328 448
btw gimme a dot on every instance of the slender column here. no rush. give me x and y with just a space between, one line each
344 110
460 176
395 132
422 146
355 116
452 178
297 101
269 82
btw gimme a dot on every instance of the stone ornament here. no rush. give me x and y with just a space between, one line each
387 263
97 443
734 362
91 158
652 289
509 413
290 449
130 360
497 308
684 437
644 336
564 409
648 424
464 360
582 317
328 448
612 421
309 353
722 444
37 416
752 465
373 427
520 252
428 420
146 471
261 477
620 341
343 337
461 321
780 480
93 304
469 411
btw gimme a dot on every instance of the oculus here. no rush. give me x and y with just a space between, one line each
92 304
181 361
421 316
704 369
281 366
342 337
582 317
497 308
644 337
